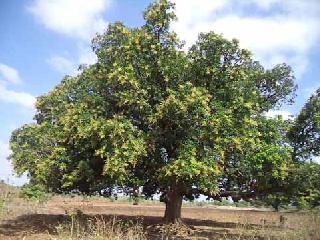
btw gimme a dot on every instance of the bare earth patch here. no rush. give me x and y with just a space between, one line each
28 221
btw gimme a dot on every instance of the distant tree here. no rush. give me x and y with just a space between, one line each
300 188
150 114
305 132
303 185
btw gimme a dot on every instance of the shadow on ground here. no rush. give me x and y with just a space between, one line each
47 223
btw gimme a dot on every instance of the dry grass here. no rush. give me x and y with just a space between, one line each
7 194
98 228
306 229
65 218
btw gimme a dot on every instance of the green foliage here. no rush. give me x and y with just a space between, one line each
149 114
305 132
34 193
303 185
299 189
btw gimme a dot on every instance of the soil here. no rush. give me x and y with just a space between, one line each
29 221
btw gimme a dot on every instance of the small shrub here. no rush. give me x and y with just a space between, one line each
34 193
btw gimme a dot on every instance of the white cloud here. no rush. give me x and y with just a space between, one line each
265 33
285 31
191 13
274 113
62 64
86 55
264 4
75 18
9 74
70 65
80 19
21 98
272 40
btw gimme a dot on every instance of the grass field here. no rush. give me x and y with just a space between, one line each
97 218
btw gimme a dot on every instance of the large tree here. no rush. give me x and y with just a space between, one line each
150 114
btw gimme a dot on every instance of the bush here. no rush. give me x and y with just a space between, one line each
34 193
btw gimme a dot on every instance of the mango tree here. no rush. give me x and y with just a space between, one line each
151 114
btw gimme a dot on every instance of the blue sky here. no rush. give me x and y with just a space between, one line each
42 40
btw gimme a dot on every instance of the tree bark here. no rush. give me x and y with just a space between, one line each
173 207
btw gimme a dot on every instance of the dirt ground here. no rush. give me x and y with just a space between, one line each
30 221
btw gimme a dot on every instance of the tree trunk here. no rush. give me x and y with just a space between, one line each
173 207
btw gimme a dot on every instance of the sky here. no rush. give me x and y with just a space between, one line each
43 40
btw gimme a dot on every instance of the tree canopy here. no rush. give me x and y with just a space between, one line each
305 132
180 123
302 186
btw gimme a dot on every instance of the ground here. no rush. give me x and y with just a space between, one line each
30 220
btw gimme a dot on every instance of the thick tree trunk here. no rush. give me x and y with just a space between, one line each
173 207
